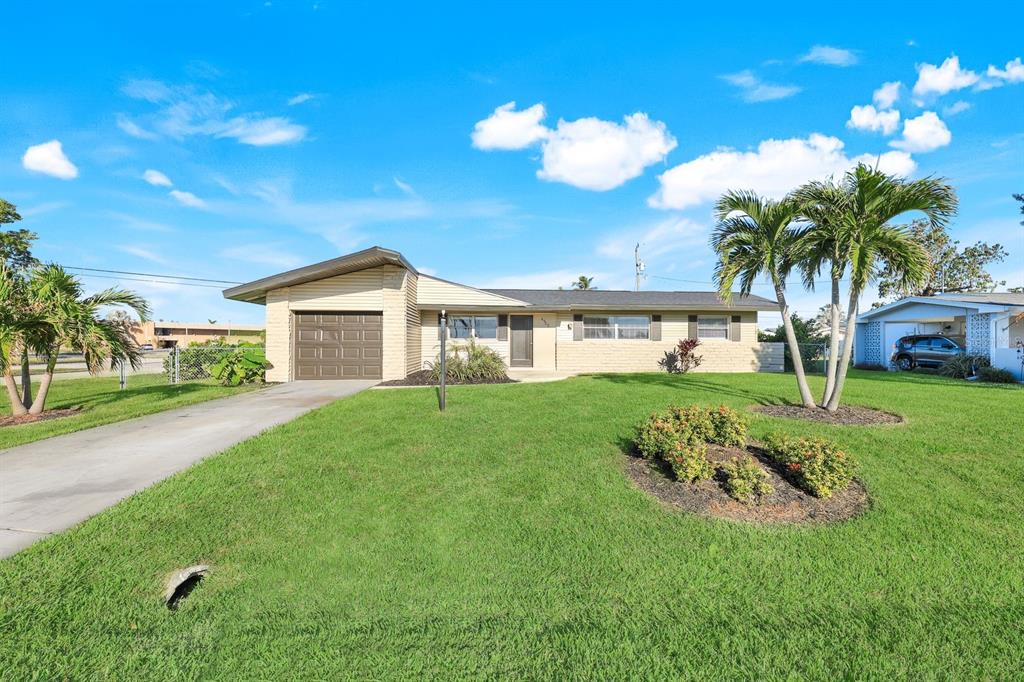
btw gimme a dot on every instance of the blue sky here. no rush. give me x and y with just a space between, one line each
235 140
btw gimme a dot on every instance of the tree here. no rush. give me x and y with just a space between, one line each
867 201
755 237
16 254
58 316
950 268
1020 198
584 282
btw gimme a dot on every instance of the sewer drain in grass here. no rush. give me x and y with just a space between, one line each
181 583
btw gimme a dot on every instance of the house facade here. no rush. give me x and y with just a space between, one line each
991 324
372 315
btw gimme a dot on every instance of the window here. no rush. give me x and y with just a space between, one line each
466 326
712 327
616 327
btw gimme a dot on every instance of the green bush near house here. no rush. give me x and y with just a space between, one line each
680 437
996 375
817 465
745 480
469 362
245 364
963 366
689 462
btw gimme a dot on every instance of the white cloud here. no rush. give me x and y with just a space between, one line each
666 236
1013 73
405 187
887 94
143 253
300 98
133 129
49 159
925 133
185 111
588 153
187 199
507 128
773 169
832 56
156 178
868 118
956 108
939 80
600 155
755 90
263 254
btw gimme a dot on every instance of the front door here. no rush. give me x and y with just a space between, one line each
521 336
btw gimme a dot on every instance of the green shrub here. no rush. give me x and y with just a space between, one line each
657 436
996 375
963 366
745 480
245 364
817 465
719 425
468 362
690 462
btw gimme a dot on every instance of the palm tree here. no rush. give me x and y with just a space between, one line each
864 203
756 236
57 316
584 282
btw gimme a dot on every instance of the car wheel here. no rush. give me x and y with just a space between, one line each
904 363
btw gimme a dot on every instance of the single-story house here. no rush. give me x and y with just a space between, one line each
991 323
372 315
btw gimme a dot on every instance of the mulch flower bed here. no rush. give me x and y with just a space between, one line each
423 378
33 418
786 504
846 414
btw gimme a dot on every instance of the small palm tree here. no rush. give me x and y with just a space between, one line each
584 282
57 316
756 236
863 204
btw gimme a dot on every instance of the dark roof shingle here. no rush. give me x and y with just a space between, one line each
601 298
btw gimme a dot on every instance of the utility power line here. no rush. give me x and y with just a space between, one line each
757 284
152 281
152 274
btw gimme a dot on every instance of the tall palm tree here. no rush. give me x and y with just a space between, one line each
756 236
867 201
823 206
15 321
584 282
58 316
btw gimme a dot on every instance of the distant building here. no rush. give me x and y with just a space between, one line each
164 334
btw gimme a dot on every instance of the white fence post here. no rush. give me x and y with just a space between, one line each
177 364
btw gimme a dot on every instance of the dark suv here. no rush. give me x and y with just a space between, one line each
925 350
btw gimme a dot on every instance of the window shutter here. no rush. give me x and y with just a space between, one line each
502 327
734 333
439 327
577 327
692 327
655 327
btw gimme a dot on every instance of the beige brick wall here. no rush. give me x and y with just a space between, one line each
279 335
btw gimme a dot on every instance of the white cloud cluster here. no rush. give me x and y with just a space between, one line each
185 111
300 98
156 178
866 117
887 94
49 158
773 169
925 133
832 56
939 80
187 199
670 235
1012 73
753 89
588 153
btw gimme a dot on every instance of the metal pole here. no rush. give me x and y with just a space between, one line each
177 365
123 376
444 357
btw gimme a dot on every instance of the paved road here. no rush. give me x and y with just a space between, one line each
50 485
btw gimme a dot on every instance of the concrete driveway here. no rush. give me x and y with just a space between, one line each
52 484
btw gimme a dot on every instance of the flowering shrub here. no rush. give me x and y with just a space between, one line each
657 437
682 358
719 425
690 462
817 465
745 480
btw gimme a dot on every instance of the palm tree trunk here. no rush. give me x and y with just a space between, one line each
26 380
17 407
44 386
844 362
794 350
833 346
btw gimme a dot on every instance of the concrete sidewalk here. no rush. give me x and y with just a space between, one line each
52 484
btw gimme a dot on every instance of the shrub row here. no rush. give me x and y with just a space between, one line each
469 362
816 465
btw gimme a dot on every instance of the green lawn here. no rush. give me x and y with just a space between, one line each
376 538
102 403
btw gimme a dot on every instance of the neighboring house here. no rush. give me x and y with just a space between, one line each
986 321
372 315
162 334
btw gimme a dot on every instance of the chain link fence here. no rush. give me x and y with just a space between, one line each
192 363
814 356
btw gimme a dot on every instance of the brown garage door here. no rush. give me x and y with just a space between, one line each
338 345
